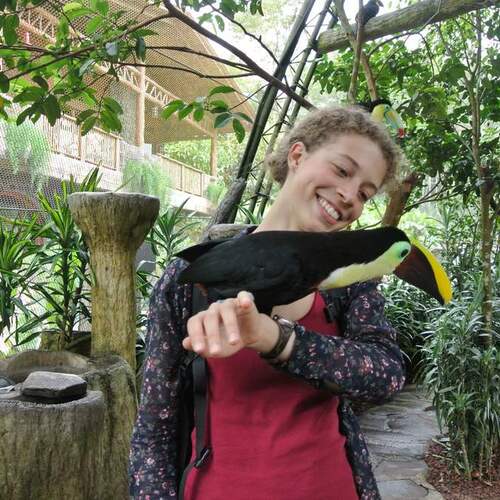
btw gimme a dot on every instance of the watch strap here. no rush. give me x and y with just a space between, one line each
286 329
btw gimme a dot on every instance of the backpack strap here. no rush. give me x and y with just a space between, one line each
335 305
200 398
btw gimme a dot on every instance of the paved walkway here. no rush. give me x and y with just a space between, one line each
398 434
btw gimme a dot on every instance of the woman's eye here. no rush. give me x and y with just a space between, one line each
363 196
342 172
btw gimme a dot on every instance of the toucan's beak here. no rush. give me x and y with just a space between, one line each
421 269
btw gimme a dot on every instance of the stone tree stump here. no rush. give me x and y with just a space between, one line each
72 448
114 226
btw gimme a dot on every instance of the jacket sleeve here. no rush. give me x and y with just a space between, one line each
153 451
365 364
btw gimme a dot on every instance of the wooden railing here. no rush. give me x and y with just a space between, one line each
97 147
185 178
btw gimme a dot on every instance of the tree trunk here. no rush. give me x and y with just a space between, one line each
414 16
76 450
398 199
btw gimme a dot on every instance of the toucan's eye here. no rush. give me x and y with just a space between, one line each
404 253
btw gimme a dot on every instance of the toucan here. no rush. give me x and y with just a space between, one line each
369 10
280 267
383 112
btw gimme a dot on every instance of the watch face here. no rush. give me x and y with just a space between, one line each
289 325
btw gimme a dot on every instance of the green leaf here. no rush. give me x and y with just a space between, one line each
140 48
72 6
198 114
85 66
10 24
171 108
184 112
93 25
4 83
110 120
221 89
23 115
88 124
100 6
112 105
239 130
220 22
244 116
222 105
84 115
41 81
222 120
51 109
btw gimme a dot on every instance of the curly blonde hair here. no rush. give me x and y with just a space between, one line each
322 125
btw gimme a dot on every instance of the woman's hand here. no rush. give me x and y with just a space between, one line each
228 326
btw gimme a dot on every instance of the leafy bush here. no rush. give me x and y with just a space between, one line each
464 380
28 148
148 177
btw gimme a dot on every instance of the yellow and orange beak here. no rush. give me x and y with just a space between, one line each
421 269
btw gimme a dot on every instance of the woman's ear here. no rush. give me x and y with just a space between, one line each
295 154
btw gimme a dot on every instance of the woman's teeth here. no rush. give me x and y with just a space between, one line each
329 209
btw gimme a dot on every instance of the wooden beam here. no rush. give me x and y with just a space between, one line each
414 16
213 155
140 108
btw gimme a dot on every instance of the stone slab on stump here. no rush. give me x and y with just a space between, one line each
53 386
398 434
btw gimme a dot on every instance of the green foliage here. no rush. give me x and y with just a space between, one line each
45 80
18 267
464 380
28 148
65 259
52 278
170 234
215 192
427 85
220 109
148 177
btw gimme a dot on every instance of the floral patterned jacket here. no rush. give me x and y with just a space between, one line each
365 364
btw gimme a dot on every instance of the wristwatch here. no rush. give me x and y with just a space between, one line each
286 328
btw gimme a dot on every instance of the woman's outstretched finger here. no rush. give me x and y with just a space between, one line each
196 334
212 326
230 321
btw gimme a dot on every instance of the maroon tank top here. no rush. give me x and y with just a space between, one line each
273 437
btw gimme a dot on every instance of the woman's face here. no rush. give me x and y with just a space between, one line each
328 188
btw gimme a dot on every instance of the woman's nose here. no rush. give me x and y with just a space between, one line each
347 193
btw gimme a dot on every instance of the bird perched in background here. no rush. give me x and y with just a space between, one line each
368 11
383 112
280 267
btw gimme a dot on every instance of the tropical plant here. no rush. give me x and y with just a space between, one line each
64 291
170 233
148 177
464 380
19 266
28 149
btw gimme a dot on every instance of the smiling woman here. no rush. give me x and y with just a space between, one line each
279 422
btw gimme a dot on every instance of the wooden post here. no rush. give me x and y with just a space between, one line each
213 155
114 226
140 108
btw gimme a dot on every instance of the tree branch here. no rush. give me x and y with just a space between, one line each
174 12
370 80
185 69
408 18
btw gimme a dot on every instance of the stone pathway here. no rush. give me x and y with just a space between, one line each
398 434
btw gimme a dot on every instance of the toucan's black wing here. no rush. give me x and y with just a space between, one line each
192 253
246 263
